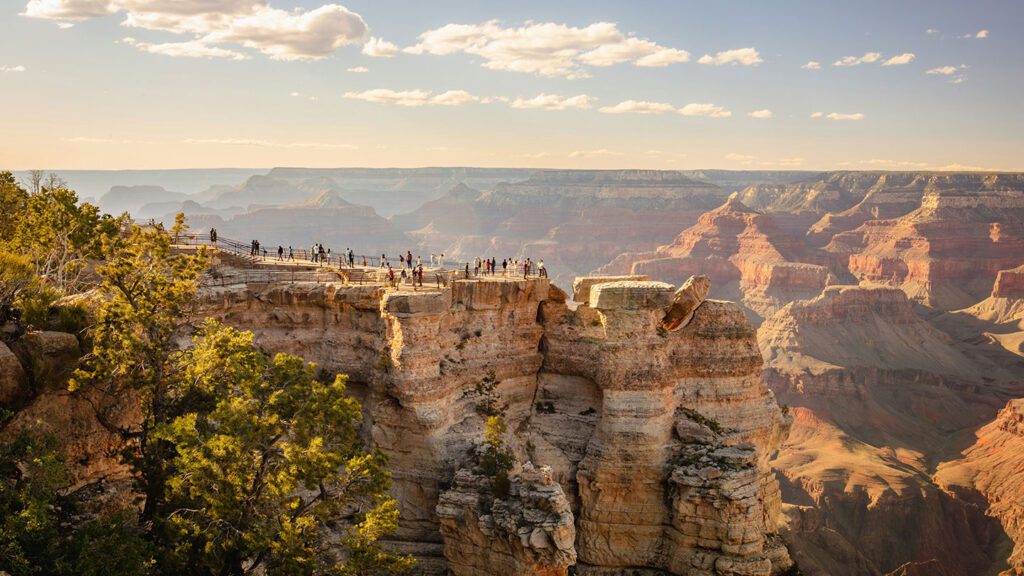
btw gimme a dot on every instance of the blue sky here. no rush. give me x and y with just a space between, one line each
726 84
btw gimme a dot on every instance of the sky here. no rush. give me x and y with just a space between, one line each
675 84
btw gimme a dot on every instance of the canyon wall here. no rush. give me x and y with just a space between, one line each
655 444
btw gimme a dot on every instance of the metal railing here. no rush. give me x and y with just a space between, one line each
332 268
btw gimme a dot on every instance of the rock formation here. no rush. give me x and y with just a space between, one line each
745 253
877 394
945 254
658 440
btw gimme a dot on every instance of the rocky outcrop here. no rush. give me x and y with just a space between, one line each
595 391
747 255
1009 283
529 532
991 474
947 253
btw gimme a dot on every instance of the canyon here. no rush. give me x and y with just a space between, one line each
843 362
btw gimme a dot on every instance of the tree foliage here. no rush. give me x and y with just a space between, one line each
59 235
274 459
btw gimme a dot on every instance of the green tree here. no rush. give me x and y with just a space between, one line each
244 461
274 459
146 295
56 233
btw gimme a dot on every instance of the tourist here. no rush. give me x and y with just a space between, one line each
280 252
408 258
291 254
504 267
433 258
541 271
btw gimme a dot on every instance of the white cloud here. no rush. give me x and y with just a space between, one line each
454 98
68 9
899 60
743 56
932 31
817 114
946 70
413 98
760 114
638 107
979 35
868 58
189 49
710 110
594 153
812 65
358 69
18 68
845 116
958 80
379 48
282 35
546 48
297 34
554 102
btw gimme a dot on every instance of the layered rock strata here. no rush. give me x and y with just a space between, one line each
745 253
659 441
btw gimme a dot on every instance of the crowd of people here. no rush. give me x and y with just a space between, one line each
408 265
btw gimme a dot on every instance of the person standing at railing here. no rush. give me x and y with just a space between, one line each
541 270
213 236
408 258
280 252
291 254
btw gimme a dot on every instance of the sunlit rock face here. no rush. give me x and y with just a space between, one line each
750 257
636 448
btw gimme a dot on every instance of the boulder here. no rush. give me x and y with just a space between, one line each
687 299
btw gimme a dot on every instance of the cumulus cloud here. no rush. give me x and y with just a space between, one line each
554 102
379 48
868 58
546 48
638 107
760 114
742 56
932 31
845 116
68 9
710 110
358 69
18 68
812 65
817 114
280 34
899 59
189 49
414 98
